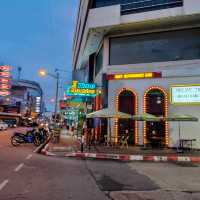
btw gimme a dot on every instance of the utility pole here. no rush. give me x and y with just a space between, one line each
57 88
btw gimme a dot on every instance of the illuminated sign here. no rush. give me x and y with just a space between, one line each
5 74
5 68
5 86
81 89
4 80
4 93
185 94
134 75
64 104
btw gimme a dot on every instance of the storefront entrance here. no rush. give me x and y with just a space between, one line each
126 104
155 104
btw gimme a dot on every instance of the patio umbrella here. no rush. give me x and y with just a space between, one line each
146 117
179 118
176 117
108 113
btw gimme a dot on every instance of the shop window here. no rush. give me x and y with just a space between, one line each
155 47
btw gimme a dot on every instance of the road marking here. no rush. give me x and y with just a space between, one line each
37 149
29 156
3 184
19 167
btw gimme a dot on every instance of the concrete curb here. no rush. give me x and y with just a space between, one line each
121 157
45 151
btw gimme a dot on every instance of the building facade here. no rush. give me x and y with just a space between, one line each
26 98
145 57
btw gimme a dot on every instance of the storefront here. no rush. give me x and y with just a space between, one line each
153 93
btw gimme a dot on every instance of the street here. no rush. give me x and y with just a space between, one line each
27 175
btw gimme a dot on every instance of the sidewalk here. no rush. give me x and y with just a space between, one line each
69 146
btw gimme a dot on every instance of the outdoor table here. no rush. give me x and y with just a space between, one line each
111 140
186 144
156 141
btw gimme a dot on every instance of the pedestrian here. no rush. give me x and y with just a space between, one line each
125 139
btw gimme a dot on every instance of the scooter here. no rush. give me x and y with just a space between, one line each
21 138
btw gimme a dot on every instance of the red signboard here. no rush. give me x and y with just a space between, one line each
5 68
5 74
5 86
138 75
4 80
4 92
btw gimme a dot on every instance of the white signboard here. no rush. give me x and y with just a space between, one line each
185 94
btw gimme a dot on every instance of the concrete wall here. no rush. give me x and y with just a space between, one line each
105 16
191 7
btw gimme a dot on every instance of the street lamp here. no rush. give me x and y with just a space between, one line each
43 73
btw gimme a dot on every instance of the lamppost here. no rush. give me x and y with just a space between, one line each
43 73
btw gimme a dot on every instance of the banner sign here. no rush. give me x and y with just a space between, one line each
185 94
81 89
140 75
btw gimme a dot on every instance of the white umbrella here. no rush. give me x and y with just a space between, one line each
179 118
108 113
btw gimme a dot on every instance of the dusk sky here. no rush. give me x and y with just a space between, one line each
35 34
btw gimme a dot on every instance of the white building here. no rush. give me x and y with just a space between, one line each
137 51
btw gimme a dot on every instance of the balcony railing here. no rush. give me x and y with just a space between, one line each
148 5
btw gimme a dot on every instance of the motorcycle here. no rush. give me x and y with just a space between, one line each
21 138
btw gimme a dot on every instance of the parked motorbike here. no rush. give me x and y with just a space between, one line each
29 137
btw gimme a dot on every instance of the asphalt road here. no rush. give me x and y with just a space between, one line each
25 175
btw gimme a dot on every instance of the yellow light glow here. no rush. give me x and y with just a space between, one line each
118 76
148 75
42 72
134 75
136 111
166 114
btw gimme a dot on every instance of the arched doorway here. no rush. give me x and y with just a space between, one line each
156 103
127 103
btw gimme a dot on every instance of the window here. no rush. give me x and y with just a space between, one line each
99 61
135 6
155 47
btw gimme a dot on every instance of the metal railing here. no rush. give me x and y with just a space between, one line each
149 5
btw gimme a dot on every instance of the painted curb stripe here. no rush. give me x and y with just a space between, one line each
160 158
124 157
183 159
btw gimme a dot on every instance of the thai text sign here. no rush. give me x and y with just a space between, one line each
185 94
81 89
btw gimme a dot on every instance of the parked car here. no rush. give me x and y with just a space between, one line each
3 126
11 123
